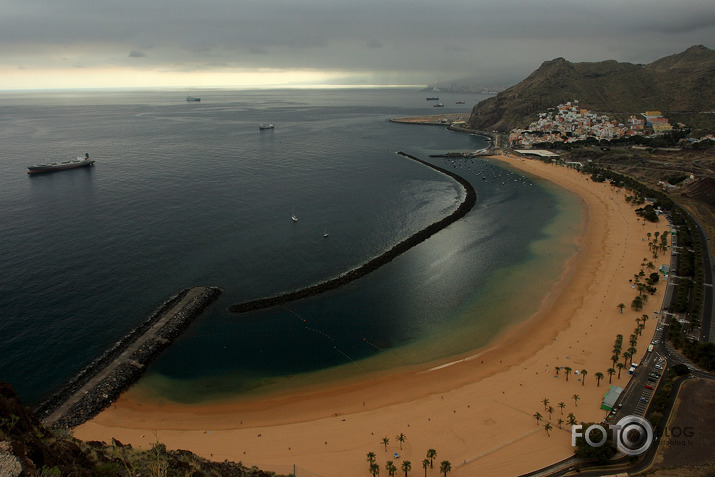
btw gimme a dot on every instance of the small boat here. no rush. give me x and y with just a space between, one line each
61 166
432 98
192 99
460 102
325 233
294 217
263 126
438 105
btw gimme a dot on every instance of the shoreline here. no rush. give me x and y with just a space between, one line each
475 409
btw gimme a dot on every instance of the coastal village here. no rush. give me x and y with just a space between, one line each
570 123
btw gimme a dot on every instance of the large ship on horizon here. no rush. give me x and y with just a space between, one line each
61 166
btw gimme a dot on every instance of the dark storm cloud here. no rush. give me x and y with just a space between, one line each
419 38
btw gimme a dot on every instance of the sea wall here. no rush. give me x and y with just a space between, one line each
377 262
113 372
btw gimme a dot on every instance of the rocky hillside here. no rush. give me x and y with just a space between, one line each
683 82
29 449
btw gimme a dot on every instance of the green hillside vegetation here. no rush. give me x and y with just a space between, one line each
681 84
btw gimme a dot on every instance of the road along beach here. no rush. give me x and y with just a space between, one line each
476 410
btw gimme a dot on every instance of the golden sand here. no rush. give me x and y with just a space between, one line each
476 410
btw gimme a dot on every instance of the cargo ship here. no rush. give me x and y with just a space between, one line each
61 166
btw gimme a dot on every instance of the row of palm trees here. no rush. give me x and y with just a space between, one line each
567 371
648 286
570 419
631 352
406 466
654 246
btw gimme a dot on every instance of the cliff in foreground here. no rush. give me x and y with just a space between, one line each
28 448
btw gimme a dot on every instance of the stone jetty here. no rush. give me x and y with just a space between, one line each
469 200
103 380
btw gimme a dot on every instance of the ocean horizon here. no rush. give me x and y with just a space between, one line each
192 193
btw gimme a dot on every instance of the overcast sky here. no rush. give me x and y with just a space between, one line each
183 43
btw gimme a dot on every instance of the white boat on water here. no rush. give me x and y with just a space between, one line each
293 217
325 232
263 126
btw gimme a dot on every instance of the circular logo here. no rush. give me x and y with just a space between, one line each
634 435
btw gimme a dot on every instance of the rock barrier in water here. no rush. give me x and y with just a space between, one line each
104 379
469 201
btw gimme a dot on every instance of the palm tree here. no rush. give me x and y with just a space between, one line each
583 373
576 397
390 468
626 357
615 358
385 442
621 306
374 469
426 463
401 438
538 417
431 454
371 457
620 367
546 403
599 377
562 405
567 370
610 372
559 422
547 428
557 371
571 419
406 467
550 410
445 467
632 350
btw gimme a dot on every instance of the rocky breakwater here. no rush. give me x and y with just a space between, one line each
102 381
469 200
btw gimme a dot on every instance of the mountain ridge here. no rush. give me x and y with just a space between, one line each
680 82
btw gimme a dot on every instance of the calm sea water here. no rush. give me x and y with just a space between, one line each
188 194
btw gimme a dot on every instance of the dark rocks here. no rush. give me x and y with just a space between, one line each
375 263
126 373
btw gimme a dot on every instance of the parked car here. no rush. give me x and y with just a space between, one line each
648 386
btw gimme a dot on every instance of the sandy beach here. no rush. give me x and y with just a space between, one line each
475 410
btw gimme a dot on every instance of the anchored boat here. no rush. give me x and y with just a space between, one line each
61 166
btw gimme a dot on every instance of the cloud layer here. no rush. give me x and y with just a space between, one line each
388 41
